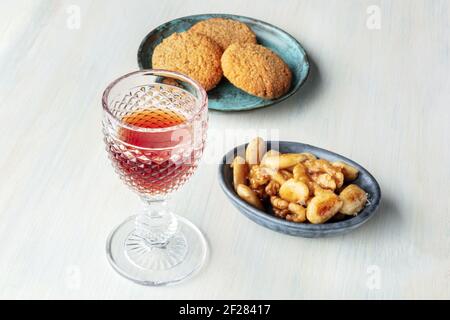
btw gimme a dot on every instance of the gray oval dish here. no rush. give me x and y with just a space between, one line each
365 180
226 97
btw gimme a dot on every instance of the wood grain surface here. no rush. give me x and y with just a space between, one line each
378 93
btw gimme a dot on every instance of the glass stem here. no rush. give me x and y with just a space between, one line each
155 223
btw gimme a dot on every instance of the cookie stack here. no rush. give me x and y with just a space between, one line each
219 47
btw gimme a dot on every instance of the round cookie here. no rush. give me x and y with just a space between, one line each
256 70
192 54
224 31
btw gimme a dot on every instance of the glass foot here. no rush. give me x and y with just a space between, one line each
135 259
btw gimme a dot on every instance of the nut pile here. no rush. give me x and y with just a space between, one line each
299 186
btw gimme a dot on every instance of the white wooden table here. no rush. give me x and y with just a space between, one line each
379 93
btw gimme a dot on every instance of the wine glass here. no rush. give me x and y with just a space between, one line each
154 125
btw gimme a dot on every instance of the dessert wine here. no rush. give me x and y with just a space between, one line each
159 160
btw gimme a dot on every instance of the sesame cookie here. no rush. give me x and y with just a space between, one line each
224 31
192 54
256 70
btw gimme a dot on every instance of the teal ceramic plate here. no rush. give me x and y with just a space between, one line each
225 96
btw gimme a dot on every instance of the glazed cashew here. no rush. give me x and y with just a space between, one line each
320 166
318 189
354 199
297 213
275 175
240 171
294 191
270 153
300 174
322 207
283 161
286 174
309 156
249 196
255 151
324 180
339 178
299 171
350 173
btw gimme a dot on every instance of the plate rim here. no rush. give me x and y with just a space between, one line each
333 227
294 90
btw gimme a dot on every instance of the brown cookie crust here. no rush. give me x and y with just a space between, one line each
224 31
195 55
257 70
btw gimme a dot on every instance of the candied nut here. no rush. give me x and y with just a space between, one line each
301 174
322 207
249 196
299 171
290 170
318 189
286 174
354 199
294 191
270 153
324 180
240 171
309 156
272 188
258 177
278 202
255 151
339 179
297 213
283 161
320 166
280 212
299 186
350 173
274 175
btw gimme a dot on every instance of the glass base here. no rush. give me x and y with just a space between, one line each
135 259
